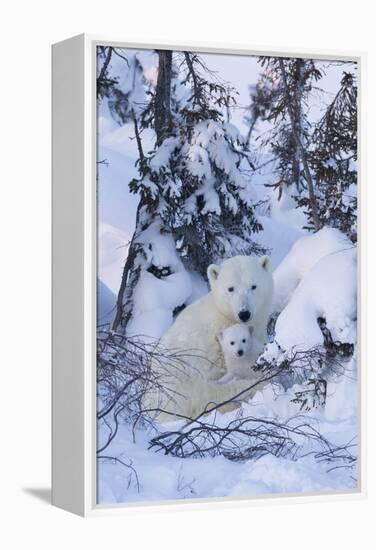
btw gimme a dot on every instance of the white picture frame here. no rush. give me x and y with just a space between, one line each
74 277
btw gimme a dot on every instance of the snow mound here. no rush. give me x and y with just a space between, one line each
328 290
112 253
284 209
156 297
278 238
106 301
304 254
115 172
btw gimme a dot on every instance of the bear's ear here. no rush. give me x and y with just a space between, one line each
213 272
266 263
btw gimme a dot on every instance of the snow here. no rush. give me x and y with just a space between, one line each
112 252
162 155
209 146
277 238
303 256
156 298
314 276
285 210
325 268
114 175
327 290
165 477
106 301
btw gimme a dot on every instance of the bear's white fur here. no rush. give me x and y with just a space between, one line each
238 348
241 291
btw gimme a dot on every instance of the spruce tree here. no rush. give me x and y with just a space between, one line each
193 193
282 97
333 157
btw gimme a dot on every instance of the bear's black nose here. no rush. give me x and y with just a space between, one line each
244 315
240 352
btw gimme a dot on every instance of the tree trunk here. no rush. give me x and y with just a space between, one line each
102 75
123 302
298 92
163 122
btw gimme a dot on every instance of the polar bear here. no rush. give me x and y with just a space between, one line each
241 291
238 352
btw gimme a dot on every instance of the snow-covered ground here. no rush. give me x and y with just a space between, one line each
315 276
162 477
323 270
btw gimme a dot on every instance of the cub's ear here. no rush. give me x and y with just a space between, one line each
266 263
213 272
250 330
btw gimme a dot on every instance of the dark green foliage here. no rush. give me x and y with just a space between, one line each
271 103
333 157
193 179
121 100
192 184
330 146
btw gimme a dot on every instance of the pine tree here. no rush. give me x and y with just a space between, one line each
262 95
196 206
127 96
333 159
282 97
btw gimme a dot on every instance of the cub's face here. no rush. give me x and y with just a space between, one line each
236 341
240 286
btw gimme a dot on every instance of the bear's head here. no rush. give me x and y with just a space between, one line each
236 341
241 286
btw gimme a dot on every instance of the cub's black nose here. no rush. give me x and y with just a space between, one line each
240 352
244 316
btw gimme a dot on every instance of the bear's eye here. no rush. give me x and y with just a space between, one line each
253 287
232 343
230 289
243 340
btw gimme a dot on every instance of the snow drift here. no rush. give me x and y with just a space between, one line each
317 279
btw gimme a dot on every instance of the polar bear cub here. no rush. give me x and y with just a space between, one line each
237 346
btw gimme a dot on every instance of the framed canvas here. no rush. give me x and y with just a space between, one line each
206 317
